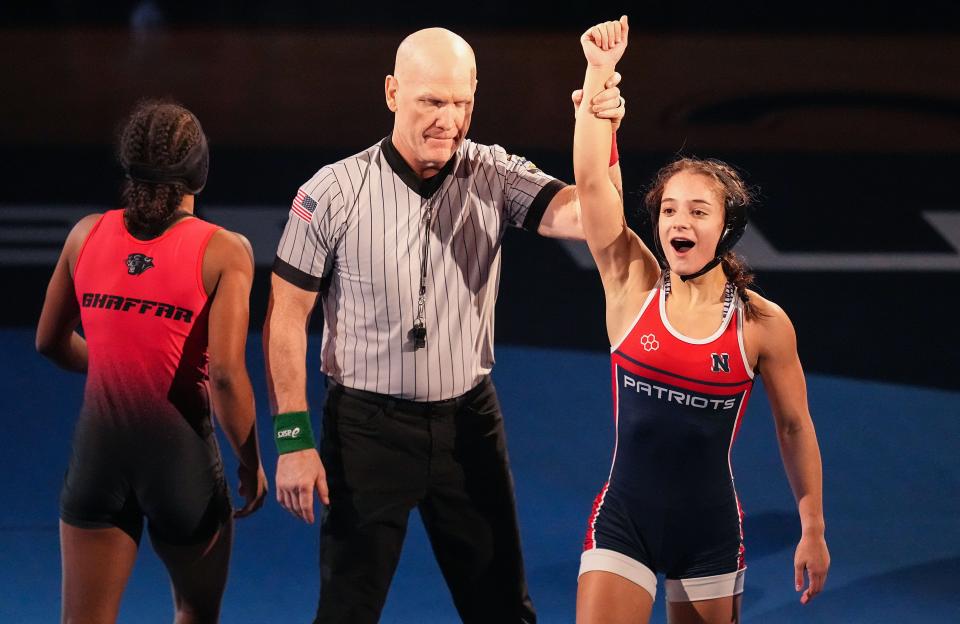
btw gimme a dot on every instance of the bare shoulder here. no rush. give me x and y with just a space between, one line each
227 253
81 228
227 248
87 222
771 322
78 235
767 310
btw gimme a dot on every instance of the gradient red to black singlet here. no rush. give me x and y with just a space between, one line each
678 404
143 309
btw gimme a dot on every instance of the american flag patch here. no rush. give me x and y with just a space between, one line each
303 206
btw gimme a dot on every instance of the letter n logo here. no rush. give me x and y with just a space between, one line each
721 362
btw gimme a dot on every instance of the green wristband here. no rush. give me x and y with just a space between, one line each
292 432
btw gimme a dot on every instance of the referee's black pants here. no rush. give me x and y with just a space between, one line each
384 457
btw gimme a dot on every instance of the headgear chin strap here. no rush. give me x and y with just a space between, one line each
733 229
191 172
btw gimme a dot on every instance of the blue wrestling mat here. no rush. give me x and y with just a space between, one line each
892 475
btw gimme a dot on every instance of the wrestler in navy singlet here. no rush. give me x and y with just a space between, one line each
669 505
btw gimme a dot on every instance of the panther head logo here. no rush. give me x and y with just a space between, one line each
137 263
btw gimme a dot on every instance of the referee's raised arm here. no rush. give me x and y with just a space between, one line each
299 470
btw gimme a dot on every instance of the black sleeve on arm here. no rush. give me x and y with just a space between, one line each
296 277
539 205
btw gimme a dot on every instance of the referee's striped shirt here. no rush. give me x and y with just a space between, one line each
356 232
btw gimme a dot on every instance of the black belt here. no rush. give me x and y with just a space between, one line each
388 402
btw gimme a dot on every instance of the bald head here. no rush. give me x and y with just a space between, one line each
431 95
433 51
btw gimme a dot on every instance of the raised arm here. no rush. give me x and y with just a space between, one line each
227 276
787 393
562 216
608 104
617 250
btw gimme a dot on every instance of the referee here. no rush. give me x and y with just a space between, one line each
402 241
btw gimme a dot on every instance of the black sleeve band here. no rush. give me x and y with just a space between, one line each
539 205
296 277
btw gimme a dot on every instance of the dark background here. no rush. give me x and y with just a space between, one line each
853 16
845 115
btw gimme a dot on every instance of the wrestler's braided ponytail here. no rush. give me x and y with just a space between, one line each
157 133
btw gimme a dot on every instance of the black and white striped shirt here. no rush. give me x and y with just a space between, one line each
356 233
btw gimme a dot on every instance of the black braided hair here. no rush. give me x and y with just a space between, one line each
157 133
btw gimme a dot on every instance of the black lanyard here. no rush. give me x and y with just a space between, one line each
418 333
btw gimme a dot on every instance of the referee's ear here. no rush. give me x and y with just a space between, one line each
390 91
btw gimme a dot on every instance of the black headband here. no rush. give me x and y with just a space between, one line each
191 172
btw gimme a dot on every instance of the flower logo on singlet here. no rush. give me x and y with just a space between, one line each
649 342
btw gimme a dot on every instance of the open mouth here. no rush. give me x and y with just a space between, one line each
681 245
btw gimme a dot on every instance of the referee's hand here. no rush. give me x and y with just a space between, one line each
298 475
608 104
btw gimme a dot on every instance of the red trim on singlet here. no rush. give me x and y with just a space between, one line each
741 563
655 353
741 560
590 541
